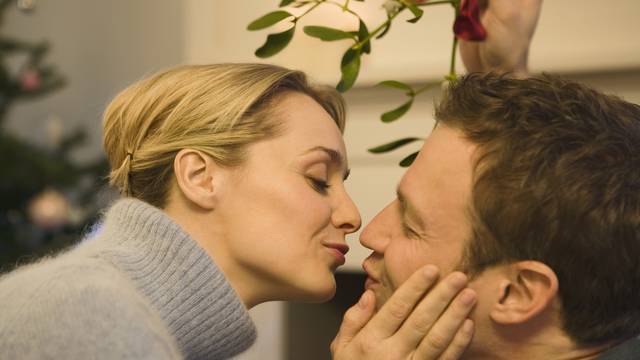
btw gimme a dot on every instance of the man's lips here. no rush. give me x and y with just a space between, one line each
371 278
370 283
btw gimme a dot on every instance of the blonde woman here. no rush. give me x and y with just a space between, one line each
232 178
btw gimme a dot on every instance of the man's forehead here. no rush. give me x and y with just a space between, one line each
408 191
441 174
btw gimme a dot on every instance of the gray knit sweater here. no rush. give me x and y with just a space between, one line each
141 289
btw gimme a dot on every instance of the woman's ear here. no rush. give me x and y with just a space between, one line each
529 289
196 178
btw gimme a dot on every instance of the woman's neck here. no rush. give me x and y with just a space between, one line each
201 227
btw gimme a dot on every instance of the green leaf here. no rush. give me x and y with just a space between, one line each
417 12
392 145
396 113
363 33
285 2
397 85
386 29
350 66
275 43
406 162
326 33
268 20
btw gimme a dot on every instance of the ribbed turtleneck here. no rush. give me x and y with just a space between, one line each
181 281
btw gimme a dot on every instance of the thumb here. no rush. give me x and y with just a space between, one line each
354 320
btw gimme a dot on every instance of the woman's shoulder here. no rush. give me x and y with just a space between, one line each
78 305
66 282
64 272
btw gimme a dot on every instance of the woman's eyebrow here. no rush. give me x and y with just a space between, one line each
335 156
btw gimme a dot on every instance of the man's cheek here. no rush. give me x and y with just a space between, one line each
382 296
399 275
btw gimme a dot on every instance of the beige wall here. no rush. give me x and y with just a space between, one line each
573 36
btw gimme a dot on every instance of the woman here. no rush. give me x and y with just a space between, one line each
249 160
232 177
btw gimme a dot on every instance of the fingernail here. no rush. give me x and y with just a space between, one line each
467 327
430 272
467 297
458 280
364 299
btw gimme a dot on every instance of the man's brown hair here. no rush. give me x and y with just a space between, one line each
556 180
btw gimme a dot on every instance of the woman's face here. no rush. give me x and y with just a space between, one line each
285 213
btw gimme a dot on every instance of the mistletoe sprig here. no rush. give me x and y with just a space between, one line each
467 26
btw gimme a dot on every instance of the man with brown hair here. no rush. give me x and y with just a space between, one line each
532 187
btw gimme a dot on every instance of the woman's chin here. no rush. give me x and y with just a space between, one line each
318 292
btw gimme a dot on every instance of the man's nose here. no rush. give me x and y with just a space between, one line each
376 235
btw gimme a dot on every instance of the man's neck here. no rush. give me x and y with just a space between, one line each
556 346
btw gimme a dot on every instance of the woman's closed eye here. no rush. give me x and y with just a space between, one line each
318 177
320 185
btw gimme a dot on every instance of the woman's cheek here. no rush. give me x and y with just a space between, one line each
316 207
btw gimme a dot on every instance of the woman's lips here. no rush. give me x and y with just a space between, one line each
340 259
338 251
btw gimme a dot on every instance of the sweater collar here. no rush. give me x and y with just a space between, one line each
185 286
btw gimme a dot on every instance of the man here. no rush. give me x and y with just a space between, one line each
531 187
422 320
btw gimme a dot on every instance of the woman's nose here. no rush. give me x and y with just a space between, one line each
346 216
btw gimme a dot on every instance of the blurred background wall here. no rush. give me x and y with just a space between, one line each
101 46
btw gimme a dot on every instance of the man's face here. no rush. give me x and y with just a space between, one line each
428 222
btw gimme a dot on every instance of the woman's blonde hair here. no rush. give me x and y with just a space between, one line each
218 109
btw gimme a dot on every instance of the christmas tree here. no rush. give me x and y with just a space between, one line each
46 200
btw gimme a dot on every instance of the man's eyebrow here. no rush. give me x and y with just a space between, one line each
402 200
335 156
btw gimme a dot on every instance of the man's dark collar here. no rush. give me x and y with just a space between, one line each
628 350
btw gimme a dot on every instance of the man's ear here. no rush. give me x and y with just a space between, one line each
528 289
196 178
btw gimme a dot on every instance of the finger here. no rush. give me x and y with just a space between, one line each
394 312
470 54
531 6
435 307
355 319
442 334
531 11
459 344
